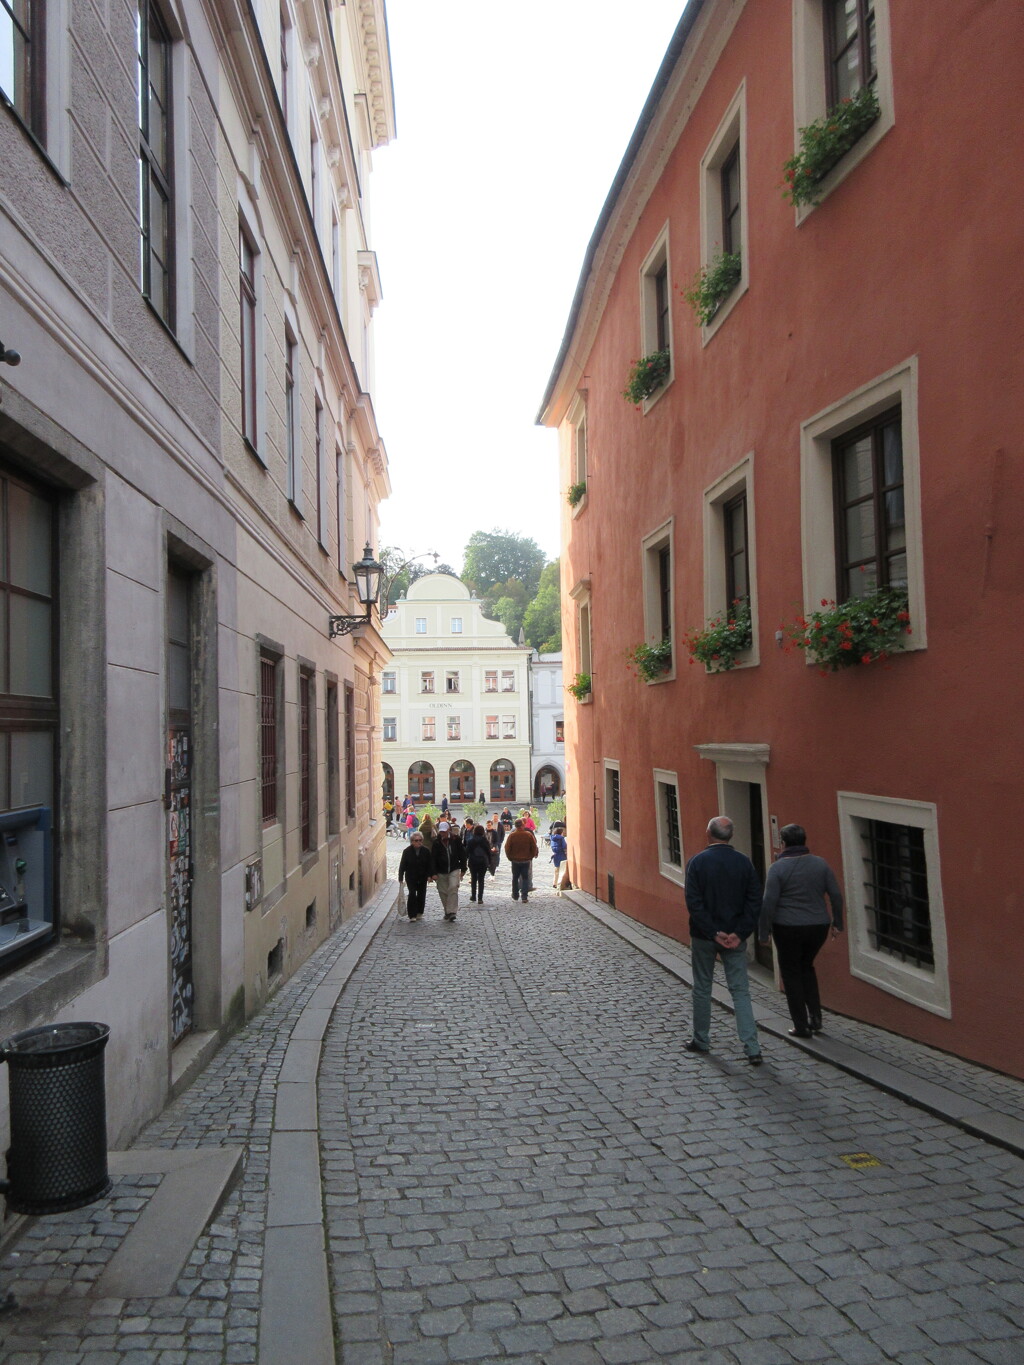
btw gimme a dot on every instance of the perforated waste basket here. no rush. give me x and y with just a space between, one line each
58 1154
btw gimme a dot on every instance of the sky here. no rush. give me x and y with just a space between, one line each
512 121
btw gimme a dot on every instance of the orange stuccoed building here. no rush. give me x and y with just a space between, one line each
809 512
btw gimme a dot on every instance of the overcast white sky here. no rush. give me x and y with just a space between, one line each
512 120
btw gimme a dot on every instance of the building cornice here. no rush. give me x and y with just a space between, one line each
379 91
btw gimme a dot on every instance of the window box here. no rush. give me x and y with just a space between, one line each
577 492
652 661
825 142
723 639
647 375
713 284
863 630
580 687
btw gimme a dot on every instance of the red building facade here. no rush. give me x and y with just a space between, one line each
843 426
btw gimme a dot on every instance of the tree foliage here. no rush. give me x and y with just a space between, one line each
399 574
542 620
493 557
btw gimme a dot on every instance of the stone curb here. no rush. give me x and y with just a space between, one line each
990 1125
296 1321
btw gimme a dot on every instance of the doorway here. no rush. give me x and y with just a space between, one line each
180 767
743 802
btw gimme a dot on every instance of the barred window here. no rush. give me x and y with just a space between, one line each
896 891
268 738
306 761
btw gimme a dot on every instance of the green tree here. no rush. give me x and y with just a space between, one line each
493 557
542 620
399 575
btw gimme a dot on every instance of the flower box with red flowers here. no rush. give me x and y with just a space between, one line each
864 630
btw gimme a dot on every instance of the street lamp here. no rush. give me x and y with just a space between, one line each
368 574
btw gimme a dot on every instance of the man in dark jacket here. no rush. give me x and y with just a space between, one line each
416 869
449 857
723 896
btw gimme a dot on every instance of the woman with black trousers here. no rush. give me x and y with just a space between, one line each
794 912
478 856
415 869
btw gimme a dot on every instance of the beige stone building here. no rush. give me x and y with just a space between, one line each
189 466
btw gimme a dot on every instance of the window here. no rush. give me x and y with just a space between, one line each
343 556
314 173
291 419
429 730
838 47
861 497
656 308
577 426
723 209
321 509
508 680
896 919
22 61
559 731
285 45
454 727
390 730
389 681
491 680
269 753
491 727
656 564
851 48
670 843
580 594
247 303
155 208
456 625
427 681
612 815
871 524
451 681
333 759
307 772
350 751
421 625
729 560
508 727
335 255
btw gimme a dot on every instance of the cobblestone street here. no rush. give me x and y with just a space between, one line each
519 1162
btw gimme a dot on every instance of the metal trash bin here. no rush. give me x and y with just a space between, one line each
58 1154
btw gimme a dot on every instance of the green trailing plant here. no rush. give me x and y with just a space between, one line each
577 492
555 810
864 630
723 639
580 686
652 660
647 374
713 284
825 141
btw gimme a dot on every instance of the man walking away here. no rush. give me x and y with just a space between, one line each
520 850
723 896
449 862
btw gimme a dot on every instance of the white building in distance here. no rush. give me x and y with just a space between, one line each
547 710
455 701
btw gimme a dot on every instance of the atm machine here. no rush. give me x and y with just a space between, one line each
26 879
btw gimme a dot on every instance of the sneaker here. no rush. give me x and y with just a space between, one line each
515 898
449 917
755 1058
691 1046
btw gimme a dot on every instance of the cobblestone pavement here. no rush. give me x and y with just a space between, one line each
520 1163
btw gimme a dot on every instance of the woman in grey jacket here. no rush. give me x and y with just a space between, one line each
794 912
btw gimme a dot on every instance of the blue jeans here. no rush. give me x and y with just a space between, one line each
521 879
734 960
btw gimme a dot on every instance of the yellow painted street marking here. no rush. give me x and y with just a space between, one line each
858 1161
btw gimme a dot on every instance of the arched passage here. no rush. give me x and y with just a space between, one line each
387 788
421 781
462 781
503 780
547 784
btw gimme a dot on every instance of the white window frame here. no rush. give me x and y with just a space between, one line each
559 724
650 578
739 479
662 778
456 625
810 92
898 386
293 450
421 625
392 722
507 673
613 835
492 725
657 257
425 675
576 421
452 677
580 594
251 224
929 990
508 727
389 675
428 723
490 673
732 130
453 727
